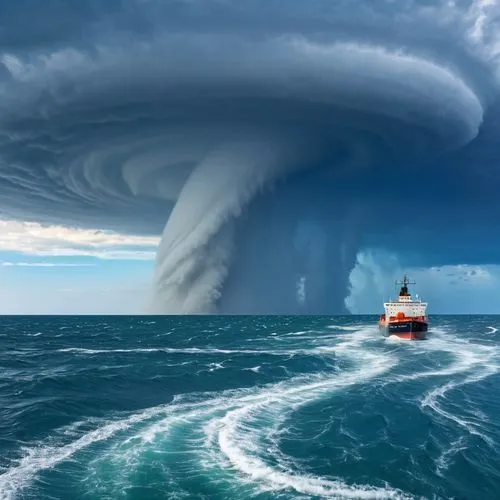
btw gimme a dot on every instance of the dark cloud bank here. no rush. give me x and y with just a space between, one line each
275 139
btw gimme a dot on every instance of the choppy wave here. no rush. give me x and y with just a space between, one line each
266 435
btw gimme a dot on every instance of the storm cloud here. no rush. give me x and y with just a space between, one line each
268 142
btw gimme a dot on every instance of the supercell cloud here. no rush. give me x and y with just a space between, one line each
268 142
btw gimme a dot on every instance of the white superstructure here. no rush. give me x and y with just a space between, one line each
405 304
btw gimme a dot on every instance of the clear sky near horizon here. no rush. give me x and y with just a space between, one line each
62 270
248 156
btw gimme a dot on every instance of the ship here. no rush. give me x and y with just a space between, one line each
405 318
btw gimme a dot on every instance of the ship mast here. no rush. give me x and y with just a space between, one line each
404 286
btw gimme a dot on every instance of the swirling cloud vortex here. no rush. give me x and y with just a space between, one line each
245 126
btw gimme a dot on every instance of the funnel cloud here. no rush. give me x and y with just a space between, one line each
268 143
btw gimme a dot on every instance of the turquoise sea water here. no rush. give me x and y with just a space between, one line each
247 407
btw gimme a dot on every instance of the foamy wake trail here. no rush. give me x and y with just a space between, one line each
187 350
231 439
229 443
238 434
467 357
236 439
476 362
45 456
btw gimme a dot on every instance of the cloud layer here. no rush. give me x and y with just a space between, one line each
31 238
267 142
457 289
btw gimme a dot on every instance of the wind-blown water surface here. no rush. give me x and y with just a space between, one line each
247 407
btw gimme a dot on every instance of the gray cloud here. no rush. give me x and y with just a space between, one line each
364 117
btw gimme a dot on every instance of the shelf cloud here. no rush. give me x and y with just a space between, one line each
267 143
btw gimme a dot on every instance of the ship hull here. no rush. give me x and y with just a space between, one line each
407 329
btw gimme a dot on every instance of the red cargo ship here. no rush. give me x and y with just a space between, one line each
405 318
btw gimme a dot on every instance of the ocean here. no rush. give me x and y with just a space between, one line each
217 407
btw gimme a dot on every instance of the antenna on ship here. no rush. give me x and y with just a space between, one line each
404 286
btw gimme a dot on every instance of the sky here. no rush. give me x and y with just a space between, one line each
62 270
248 156
66 270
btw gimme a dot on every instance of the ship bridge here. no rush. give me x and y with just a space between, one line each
405 305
